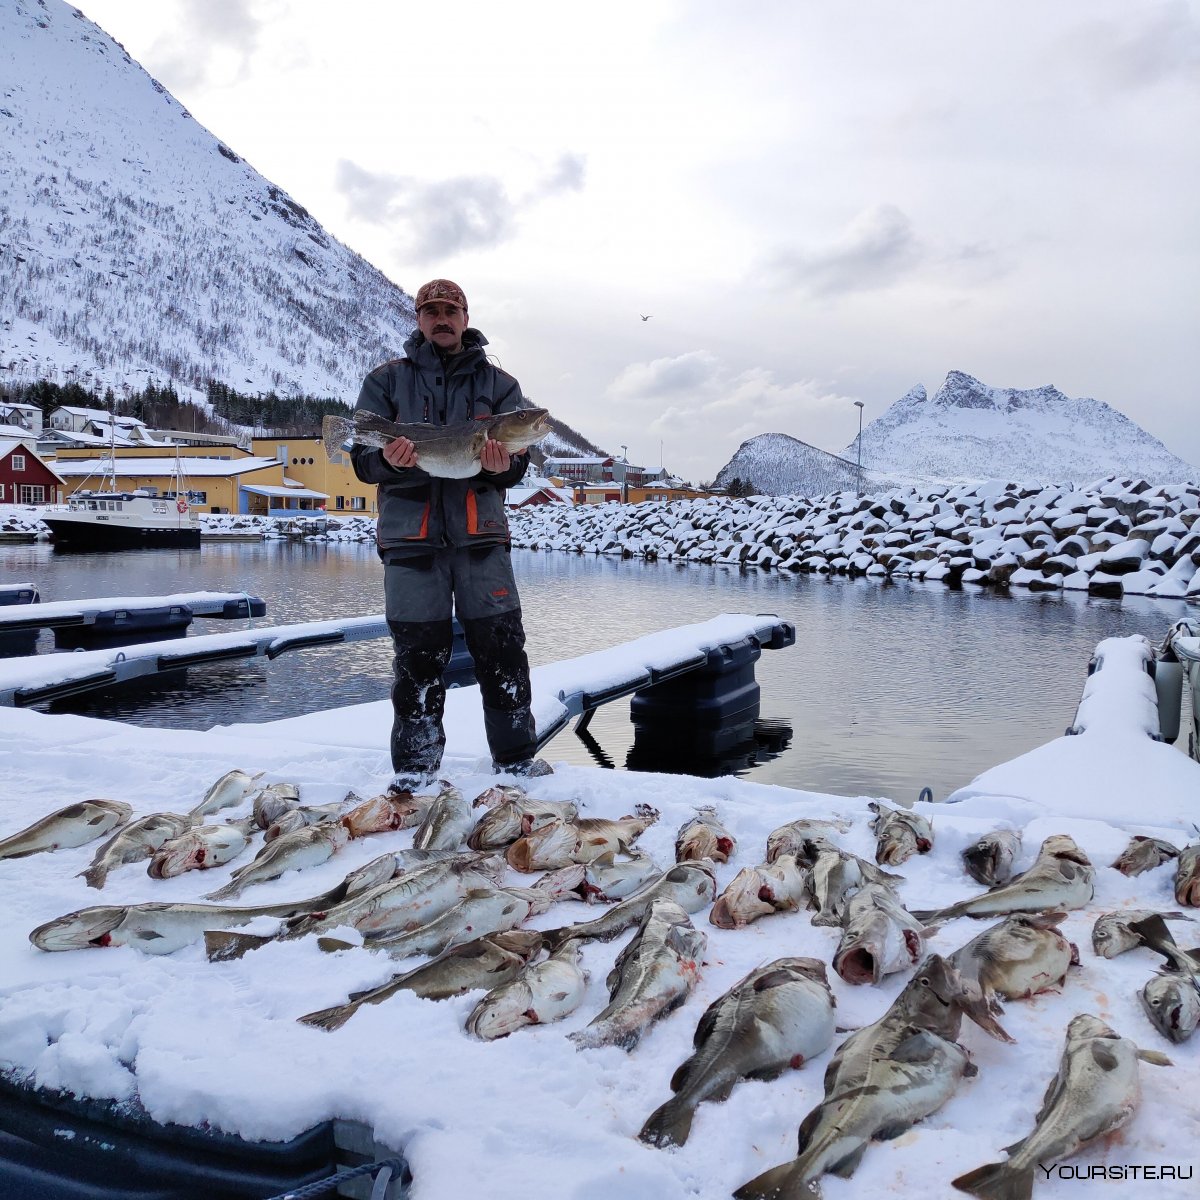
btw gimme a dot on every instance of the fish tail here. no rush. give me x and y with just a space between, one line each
334 432
784 1182
224 893
329 1019
997 1181
94 876
669 1125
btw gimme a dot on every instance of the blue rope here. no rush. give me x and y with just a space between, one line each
393 1166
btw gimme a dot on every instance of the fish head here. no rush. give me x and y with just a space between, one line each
498 794
749 895
187 853
859 961
383 813
537 901
85 927
1059 845
1173 1006
810 968
1085 1025
543 846
499 826
525 943
519 429
1111 934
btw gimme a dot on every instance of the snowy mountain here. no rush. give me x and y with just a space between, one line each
136 246
777 465
971 431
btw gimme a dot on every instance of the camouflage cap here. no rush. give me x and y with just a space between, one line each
441 291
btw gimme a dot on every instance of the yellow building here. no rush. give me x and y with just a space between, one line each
226 482
305 461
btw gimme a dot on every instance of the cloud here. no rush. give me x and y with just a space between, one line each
696 400
442 217
1163 46
876 248
567 175
434 219
212 38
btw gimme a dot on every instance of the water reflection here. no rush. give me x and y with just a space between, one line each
889 688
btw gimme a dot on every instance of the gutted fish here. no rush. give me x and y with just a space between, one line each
778 1017
1061 877
899 834
780 886
75 825
135 842
652 977
1094 1092
704 837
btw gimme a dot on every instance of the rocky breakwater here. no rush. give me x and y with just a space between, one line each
1114 537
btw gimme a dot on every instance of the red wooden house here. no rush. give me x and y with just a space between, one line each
24 478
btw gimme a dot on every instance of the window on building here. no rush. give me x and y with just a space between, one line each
18 462
339 502
358 503
30 493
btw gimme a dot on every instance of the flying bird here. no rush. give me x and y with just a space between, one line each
645 318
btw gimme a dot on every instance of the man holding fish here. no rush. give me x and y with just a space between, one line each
443 432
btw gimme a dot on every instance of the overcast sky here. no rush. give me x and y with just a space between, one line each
815 203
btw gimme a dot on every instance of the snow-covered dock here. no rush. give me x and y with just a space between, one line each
114 612
218 1043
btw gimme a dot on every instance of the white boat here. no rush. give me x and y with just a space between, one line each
108 519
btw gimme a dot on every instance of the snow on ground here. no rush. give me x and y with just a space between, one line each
218 1043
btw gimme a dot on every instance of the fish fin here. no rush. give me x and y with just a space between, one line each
771 979
915 1048
223 945
846 1167
331 945
225 893
1103 1057
680 1079
94 877
1154 1057
808 1127
996 1181
783 1180
668 1125
763 1075
932 917
330 1018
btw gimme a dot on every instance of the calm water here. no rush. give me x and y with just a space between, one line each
889 688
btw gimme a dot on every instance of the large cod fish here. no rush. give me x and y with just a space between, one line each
485 962
1094 1092
446 451
883 1079
1061 877
779 1016
652 977
75 825
164 928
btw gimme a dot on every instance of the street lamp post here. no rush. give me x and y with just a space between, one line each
859 405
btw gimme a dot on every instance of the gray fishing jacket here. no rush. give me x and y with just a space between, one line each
418 512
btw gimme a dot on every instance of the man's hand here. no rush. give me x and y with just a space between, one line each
400 453
494 457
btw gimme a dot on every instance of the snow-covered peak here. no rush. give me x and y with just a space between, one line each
970 430
134 245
